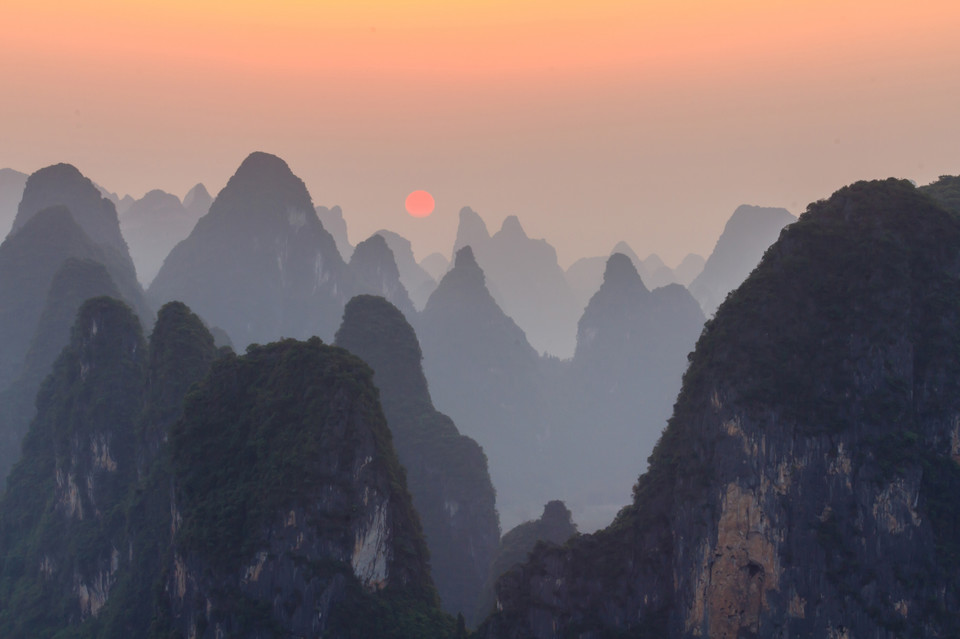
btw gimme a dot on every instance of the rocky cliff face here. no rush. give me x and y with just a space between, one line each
275 505
554 526
290 511
446 471
61 537
806 483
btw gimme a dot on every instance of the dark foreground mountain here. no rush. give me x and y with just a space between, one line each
274 505
946 191
259 265
807 482
747 234
555 526
446 471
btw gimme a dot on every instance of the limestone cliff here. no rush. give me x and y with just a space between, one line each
446 471
61 534
806 484
290 510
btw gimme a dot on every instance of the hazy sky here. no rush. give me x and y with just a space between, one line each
642 120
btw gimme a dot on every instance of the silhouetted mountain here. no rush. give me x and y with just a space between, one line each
485 375
946 191
446 471
632 347
747 234
64 185
11 191
657 273
436 265
586 274
197 201
375 269
76 281
265 487
416 280
806 484
259 264
525 280
265 499
554 526
29 258
333 222
152 226
471 231
60 529
689 268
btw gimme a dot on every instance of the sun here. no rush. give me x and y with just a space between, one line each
419 204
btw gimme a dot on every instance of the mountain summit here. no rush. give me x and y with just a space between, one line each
806 483
259 264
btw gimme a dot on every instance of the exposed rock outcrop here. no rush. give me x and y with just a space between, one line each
806 484
290 508
446 471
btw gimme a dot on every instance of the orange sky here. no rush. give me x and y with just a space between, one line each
648 121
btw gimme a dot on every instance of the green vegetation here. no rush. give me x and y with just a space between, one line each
444 468
93 397
946 191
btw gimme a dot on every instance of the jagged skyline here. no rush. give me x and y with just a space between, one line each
645 122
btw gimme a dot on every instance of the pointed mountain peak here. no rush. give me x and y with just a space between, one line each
377 331
465 261
264 188
471 231
463 283
260 163
375 266
197 197
511 227
263 183
621 273
376 245
64 184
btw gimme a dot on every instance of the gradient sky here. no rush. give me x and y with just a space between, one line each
643 120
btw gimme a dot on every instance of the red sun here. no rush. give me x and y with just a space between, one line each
419 204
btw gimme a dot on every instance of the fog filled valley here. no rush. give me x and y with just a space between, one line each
227 416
